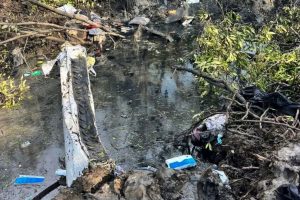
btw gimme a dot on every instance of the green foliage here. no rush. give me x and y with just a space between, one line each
237 52
12 93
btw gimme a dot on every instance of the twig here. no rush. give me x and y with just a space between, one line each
261 117
259 157
244 134
42 24
296 118
17 37
247 111
216 82
251 189
268 122
250 168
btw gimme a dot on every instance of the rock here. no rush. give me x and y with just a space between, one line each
105 193
17 57
118 184
164 173
141 185
140 21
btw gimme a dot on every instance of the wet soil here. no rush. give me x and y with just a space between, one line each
37 121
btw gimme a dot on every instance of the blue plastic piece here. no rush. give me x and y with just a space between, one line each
219 139
181 162
27 179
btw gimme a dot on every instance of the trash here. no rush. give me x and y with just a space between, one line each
140 21
27 179
219 138
119 170
61 172
288 192
209 130
37 73
17 57
25 144
148 168
96 31
193 1
95 18
47 66
26 74
181 162
213 185
179 14
68 9
172 12
187 21
125 29
222 176
273 100
90 62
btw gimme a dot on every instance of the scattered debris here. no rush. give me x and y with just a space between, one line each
25 144
68 8
37 73
181 162
27 179
90 62
209 132
61 172
155 32
47 66
17 57
140 21
193 1
288 192
273 100
224 179
175 16
187 21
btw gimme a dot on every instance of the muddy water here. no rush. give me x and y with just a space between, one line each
37 122
141 102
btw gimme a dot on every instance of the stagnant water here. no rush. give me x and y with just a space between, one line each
141 102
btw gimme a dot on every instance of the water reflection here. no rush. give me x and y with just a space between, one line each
141 103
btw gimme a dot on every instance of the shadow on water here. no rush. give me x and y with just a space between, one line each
141 103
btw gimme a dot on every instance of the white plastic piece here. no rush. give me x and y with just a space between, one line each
215 122
68 9
61 172
193 1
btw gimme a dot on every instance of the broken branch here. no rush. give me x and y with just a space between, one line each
216 82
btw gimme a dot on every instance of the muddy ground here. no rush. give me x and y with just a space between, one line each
38 122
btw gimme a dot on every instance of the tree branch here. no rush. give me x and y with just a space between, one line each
216 82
